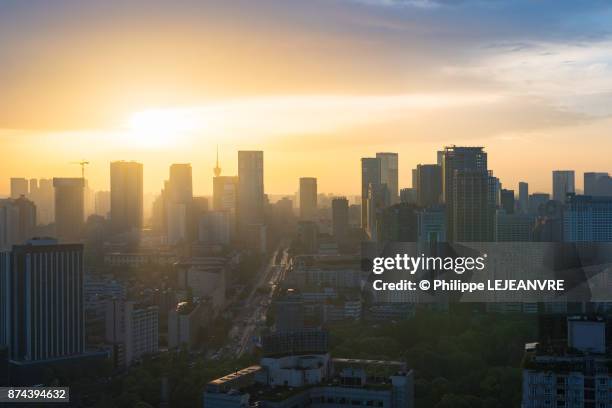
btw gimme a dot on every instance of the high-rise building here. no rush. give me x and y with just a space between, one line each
126 196
587 219
597 184
432 224
513 227
378 200
340 218
472 209
389 174
41 192
225 191
69 208
370 175
17 221
308 198
455 159
408 195
398 223
571 370
250 209
41 293
524 197
429 184
102 206
133 328
178 194
19 187
536 200
214 228
507 200
563 183
184 324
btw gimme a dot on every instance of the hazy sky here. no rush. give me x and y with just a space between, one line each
316 84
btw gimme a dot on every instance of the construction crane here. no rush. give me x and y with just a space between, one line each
82 163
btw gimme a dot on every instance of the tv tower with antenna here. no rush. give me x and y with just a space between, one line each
217 169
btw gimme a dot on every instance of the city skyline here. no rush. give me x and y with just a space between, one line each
161 96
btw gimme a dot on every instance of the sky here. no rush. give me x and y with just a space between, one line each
316 84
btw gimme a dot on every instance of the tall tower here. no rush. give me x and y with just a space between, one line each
126 196
456 159
250 188
563 183
217 169
388 174
370 174
308 198
69 208
42 292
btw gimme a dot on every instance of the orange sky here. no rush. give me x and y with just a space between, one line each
316 85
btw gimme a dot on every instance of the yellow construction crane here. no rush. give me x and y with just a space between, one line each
82 163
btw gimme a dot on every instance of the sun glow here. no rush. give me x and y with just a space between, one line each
155 128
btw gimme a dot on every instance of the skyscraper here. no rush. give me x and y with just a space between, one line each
19 187
308 198
472 210
17 221
456 158
597 184
126 196
428 184
250 188
507 200
524 197
102 201
370 175
388 174
563 183
179 197
41 293
587 219
225 192
340 218
41 192
378 200
69 208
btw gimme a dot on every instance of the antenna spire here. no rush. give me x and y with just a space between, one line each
217 169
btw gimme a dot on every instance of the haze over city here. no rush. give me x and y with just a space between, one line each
316 91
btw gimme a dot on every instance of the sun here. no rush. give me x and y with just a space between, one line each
159 127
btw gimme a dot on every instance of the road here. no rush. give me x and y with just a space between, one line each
252 316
